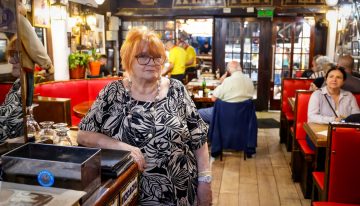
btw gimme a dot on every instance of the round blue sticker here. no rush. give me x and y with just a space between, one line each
45 178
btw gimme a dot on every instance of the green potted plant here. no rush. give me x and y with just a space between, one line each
94 63
77 64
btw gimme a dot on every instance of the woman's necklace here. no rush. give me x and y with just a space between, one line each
153 108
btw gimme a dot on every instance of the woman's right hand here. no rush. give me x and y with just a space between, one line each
137 156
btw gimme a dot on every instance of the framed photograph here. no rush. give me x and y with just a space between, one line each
74 9
27 4
41 13
3 44
355 48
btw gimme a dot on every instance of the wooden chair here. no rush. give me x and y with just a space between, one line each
233 126
302 156
340 182
289 86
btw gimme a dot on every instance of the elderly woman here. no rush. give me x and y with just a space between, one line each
331 103
155 119
318 70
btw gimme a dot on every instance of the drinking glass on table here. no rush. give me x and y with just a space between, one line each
62 137
46 132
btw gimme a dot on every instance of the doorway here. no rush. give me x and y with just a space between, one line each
291 40
244 40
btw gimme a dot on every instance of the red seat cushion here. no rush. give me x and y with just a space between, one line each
319 178
305 147
4 89
289 116
332 204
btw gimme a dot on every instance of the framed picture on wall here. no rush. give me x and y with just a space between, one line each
41 13
74 9
3 43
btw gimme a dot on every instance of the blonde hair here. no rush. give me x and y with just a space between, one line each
135 41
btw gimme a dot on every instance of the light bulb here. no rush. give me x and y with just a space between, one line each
99 1
331 2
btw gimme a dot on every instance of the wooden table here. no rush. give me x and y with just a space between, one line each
291 101
312 129
80 110
320 142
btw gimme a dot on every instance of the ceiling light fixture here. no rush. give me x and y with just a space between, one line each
99 2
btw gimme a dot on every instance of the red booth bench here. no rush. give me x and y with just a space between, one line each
77 91
4 89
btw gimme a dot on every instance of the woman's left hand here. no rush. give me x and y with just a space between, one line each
204 194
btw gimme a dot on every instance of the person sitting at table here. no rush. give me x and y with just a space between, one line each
11 115
235 87
331 103
307 73
104 69
205 48
155 119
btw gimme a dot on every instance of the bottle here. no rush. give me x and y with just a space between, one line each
203 84
114 71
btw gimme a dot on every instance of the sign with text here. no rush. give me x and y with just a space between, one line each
265 13
198 3
242 3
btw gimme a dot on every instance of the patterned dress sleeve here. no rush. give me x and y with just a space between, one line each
99 112
197 127
11 115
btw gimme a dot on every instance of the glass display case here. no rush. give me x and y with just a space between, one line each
165 28
242 45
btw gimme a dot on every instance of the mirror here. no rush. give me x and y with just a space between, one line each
10 85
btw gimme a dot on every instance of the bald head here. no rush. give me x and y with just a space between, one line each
233 66
347 62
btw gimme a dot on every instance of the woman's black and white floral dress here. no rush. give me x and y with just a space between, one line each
11 115
170 177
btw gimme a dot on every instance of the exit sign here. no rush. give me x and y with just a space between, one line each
265 13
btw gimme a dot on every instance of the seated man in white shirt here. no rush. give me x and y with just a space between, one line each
235 88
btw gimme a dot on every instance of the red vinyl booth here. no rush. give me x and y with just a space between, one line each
332 204
341 180
77 91
302 155
4 89
289 86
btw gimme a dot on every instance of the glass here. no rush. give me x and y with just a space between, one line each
145 60
62 138
46 132
32 126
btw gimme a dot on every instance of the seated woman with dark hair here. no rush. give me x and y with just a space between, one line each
331 103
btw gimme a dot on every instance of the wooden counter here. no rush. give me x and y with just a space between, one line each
120 191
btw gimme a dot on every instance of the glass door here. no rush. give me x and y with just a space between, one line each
291 53
242 45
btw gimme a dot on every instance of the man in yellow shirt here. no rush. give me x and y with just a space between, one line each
190 60
177 61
